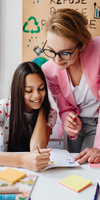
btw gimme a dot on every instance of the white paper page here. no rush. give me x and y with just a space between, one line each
60 158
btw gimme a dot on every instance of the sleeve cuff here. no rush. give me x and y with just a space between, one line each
73 138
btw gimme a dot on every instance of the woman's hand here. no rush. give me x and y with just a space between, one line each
72 127
92 155
35 161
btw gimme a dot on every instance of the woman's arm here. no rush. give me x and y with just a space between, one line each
63 96
32 160
41 132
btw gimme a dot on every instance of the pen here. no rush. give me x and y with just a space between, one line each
36 146
75 116
13 189
96 192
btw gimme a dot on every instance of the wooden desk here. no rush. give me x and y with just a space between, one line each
48 188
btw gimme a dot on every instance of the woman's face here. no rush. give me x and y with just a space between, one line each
34 92
61 44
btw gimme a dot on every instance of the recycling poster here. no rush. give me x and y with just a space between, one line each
35 14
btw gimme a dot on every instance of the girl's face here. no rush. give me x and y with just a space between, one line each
61 44
34 92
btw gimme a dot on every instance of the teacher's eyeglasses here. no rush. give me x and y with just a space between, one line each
63 55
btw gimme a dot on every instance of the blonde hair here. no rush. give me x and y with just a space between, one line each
70 24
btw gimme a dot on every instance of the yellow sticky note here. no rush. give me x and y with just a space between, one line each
76 183
11 175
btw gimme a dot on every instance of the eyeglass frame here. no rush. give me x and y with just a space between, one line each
59 52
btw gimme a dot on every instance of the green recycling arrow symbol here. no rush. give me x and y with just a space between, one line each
26 24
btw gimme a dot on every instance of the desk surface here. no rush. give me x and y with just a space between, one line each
48 188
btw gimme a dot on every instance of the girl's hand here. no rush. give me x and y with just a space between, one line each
35 161
92 155
73 125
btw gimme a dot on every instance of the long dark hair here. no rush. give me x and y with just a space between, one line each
19 135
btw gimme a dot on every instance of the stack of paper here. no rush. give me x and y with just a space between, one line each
93 165
75 182
11 175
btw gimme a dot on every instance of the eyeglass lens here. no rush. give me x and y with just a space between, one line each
62 55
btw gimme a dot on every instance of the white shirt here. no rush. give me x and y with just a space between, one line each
85 100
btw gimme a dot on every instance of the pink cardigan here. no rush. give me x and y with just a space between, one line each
59 85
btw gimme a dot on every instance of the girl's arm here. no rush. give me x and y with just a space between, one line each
41 132
32 160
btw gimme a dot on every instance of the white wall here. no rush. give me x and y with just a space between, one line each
11 49
10 42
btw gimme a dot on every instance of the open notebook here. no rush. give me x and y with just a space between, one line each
60 158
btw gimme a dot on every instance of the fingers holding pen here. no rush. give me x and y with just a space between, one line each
43 154
72 118
42 159
70 122
73 124
34 160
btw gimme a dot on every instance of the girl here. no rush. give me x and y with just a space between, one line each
26 119
73 78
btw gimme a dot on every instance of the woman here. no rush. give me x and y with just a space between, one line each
26 119
72 76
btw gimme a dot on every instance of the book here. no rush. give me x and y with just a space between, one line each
28 182
75 182
60 158
11 175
